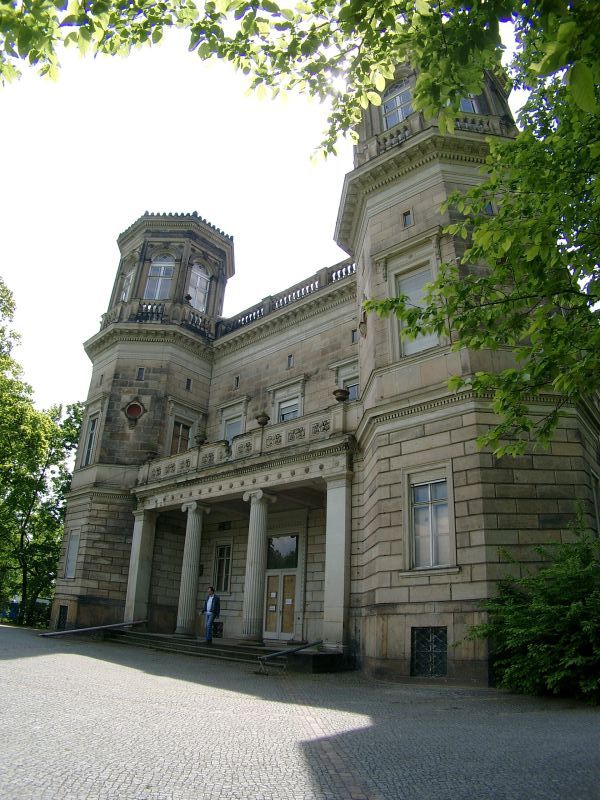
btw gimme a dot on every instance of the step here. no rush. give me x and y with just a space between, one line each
223 651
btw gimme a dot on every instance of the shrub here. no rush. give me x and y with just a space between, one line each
544 628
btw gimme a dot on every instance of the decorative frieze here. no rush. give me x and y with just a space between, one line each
244 448
322 426
295 434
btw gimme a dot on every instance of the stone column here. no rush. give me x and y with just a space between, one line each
338 532
256 565
188 588
140 566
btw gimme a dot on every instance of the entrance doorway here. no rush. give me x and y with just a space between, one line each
280 606
281 587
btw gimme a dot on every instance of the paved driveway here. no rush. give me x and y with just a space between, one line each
85 720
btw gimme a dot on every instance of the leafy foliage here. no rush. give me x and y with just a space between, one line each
539 293
544 628
35 447
343 51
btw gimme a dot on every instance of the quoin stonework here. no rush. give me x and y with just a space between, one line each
301 456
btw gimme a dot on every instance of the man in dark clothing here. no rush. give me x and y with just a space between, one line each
211 610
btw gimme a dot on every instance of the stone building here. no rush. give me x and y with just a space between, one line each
301 456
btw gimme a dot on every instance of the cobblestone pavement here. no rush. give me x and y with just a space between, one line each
87 720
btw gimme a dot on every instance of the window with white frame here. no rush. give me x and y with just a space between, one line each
232 427
468 104
198 287
71 557
180 439
126 286
346 377
232 418
160 278
288 409
430 522
353 388
397 104
222 569
412 285
287 399
89 441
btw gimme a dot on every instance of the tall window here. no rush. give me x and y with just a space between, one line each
353 388
232 427
430 524
288 409
468 104
126 286
180 440
160 277
413 286
198 287
89 442
222 577
72 550
397 104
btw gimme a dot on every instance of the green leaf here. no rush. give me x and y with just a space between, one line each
581 84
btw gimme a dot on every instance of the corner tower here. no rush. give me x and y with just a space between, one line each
148 397
420 552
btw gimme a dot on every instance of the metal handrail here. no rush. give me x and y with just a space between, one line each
95 628
263 659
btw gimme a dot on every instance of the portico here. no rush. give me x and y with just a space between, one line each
289 547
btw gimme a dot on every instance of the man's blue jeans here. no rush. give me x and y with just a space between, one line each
208 625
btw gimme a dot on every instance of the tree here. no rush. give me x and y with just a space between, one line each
35 447
539 293
544 627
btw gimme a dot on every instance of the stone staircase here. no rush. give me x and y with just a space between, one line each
220 649
307 660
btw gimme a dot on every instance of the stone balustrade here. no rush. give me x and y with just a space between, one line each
307 429
160 311
300 291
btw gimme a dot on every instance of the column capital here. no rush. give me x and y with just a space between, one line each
257 496
194 506
340 478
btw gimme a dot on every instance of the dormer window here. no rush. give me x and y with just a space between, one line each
198 287
160 277
397 104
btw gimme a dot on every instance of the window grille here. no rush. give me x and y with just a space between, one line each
429 652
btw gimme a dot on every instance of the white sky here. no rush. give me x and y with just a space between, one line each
161 131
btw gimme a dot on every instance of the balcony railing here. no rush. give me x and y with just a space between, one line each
300 291
308 429
170 312
487 124
162 312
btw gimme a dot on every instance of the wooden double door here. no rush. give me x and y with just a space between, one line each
280 604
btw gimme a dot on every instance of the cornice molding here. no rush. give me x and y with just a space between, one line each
146 333
414 153
84 493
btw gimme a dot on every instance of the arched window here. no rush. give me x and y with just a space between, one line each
397 103
198 287
160 277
